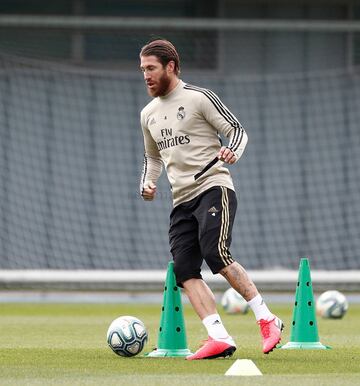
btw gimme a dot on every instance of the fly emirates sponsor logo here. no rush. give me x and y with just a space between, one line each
169 140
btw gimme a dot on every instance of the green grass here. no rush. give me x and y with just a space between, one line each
65 344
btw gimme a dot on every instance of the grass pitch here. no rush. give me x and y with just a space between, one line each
65 344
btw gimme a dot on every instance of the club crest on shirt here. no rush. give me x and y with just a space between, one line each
181 113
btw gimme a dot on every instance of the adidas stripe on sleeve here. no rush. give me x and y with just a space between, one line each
222 119
152 168
152 164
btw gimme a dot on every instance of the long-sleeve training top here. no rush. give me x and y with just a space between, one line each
181 130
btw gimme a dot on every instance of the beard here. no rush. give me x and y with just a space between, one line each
162 87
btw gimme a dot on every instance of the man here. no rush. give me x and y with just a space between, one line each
180 127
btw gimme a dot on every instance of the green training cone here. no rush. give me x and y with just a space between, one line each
172 335
304 331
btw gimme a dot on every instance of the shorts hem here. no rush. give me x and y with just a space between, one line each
187 277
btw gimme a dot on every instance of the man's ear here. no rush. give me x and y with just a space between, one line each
170 67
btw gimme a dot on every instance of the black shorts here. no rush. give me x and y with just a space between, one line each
200 229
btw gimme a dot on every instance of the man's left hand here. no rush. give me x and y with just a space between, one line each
226 155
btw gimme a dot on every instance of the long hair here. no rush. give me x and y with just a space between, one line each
164 50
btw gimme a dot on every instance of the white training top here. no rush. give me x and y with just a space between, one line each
181 130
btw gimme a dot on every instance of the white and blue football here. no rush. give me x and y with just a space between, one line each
332 305
127 336
233 303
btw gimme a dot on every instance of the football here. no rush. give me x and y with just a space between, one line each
233 303
331 305
127 336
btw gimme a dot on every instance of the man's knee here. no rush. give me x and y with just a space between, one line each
183 273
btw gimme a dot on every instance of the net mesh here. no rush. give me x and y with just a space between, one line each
71 156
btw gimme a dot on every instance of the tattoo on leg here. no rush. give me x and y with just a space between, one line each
238 278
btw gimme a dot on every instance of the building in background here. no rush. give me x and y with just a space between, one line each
246 49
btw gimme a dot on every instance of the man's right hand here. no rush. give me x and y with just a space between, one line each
148 194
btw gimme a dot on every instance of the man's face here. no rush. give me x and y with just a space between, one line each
156 76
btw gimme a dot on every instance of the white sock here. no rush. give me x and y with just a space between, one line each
214 327
259 308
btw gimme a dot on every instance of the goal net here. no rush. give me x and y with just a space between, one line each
71 154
